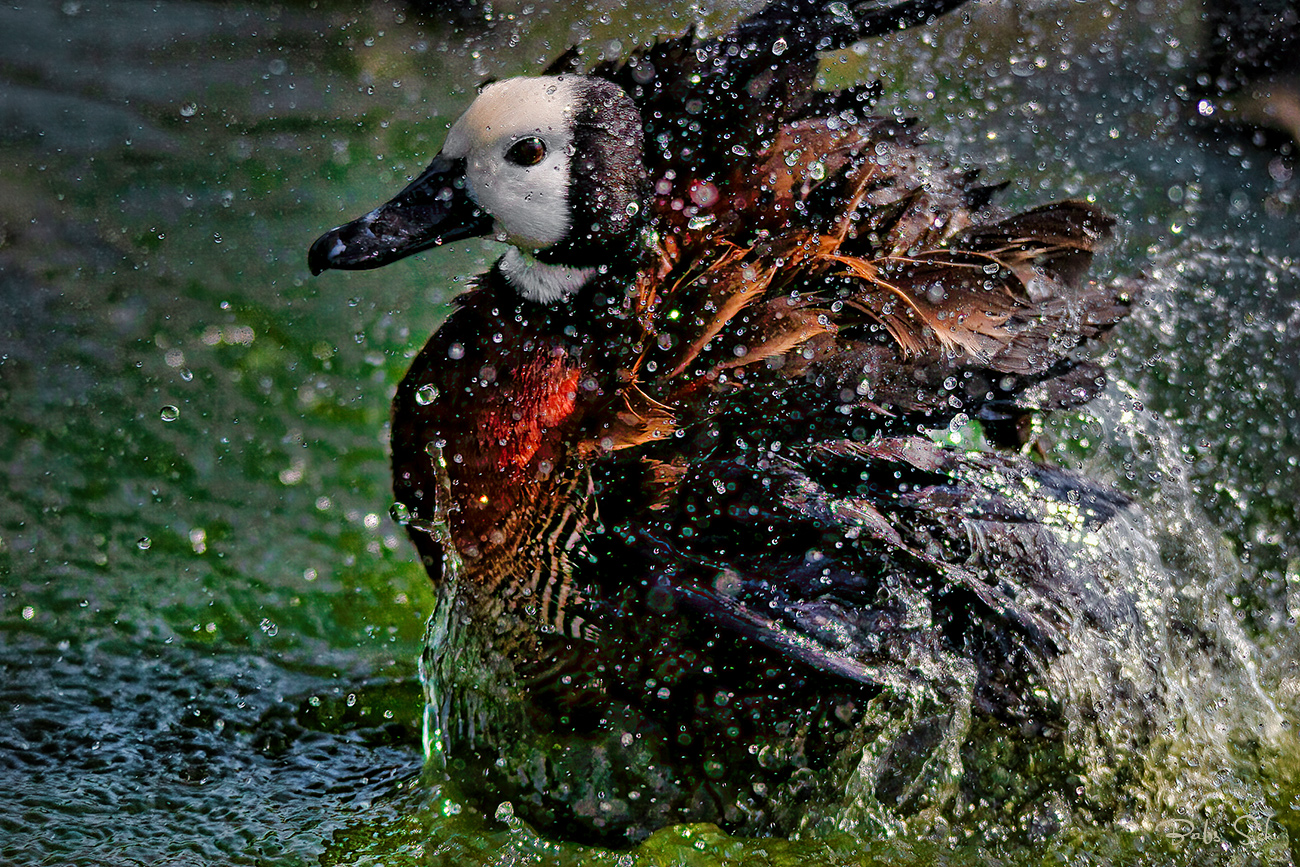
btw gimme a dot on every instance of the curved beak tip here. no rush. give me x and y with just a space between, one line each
320 256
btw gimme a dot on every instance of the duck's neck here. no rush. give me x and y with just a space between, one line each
540 282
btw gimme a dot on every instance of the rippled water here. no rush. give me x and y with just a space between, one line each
209 626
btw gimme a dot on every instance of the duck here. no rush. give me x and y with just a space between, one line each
681 464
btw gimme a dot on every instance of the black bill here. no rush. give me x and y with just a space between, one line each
434 209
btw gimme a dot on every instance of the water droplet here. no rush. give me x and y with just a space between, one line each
189 109
144 543
704 194
779 46
426 394
400 513
169 413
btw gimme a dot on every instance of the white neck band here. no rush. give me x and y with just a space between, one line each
537 281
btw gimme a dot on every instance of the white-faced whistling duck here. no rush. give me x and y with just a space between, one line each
669 462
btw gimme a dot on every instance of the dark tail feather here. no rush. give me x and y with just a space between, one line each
810 26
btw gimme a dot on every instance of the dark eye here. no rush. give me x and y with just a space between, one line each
526 152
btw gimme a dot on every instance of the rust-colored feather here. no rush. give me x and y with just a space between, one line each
727 285
637 419
925 306
778 330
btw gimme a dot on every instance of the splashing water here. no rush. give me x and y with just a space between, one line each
1182 761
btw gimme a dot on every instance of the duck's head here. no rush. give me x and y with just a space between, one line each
550 165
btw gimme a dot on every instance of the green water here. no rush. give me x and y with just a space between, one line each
209 625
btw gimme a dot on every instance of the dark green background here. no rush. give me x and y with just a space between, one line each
209 625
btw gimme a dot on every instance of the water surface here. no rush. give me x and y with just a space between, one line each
209 625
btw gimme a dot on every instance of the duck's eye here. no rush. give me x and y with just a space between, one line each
527 152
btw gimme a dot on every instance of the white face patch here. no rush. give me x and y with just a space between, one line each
530 203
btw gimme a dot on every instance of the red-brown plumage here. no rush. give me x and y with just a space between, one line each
514 420
509 399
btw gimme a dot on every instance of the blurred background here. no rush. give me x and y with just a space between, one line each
209 625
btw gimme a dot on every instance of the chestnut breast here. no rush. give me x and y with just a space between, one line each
498 394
